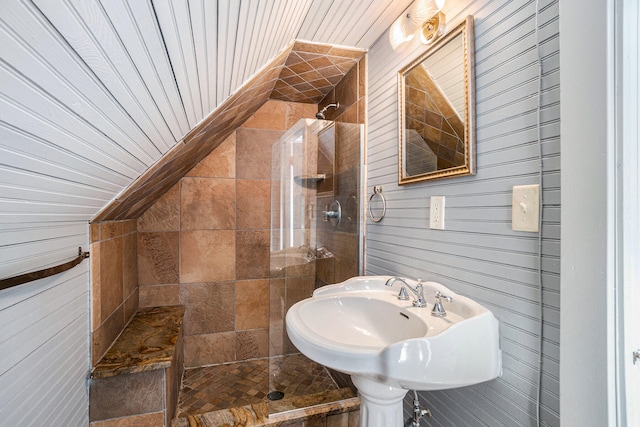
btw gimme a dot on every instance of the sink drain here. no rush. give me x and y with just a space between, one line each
275 395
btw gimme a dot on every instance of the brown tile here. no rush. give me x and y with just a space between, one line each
94 280
159 295
253 153
110 229
130 263
207 203
253 203
163 215
154 419
338 420
347 89
252 254
311 47
297 111
158 258
105 335
202 350
131 304
207 256
94 232
221 163
210 307
252 344
125 395
298 288
277 312
110 275
270 116
252 304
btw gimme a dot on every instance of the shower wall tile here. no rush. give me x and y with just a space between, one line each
252 344
252 254
111 276
159 295
94 280
113 282
192 250
210 349
106 334
158 258
272 115
207 203
253 203
252 304
207 256
221 163
130 265
210 307
253 152
164 215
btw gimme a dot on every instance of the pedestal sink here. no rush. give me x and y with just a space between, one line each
361 328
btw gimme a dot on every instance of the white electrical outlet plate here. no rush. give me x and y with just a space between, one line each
525 210
436 213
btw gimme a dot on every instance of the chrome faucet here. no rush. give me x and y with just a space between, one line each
418 291
438 309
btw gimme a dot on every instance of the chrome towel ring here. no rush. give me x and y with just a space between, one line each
377 204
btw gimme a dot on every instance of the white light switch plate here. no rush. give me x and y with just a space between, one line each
525 209
436 213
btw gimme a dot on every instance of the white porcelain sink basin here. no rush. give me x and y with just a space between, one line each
359 327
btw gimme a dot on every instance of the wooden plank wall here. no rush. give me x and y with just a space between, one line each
478 254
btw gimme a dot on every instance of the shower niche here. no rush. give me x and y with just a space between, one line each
316 187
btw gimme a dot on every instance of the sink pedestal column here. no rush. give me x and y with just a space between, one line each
380 405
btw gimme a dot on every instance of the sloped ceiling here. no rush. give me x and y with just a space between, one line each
94 93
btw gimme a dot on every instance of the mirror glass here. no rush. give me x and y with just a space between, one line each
437 110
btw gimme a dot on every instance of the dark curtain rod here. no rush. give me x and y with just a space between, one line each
30 277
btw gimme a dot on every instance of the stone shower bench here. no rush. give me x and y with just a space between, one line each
139 376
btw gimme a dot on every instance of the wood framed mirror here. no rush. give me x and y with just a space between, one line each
436 100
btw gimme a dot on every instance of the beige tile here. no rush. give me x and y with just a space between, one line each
253 203
207 203
159 295
207 256
272 115
163 215
210 349
111 275
221 163
94 259
252 304
252 254
252 344
210 307
154 419
158 258
253 152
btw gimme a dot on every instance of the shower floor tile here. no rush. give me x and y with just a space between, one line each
212 388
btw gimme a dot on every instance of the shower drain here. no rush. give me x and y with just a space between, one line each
275 395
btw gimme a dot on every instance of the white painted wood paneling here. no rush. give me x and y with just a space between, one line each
478 254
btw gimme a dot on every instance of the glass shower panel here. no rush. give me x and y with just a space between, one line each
315 165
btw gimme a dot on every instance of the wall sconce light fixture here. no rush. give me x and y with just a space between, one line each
423 15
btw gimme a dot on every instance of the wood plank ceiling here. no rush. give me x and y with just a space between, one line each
94 93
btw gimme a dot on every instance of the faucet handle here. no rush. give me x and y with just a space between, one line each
438 310
444 297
